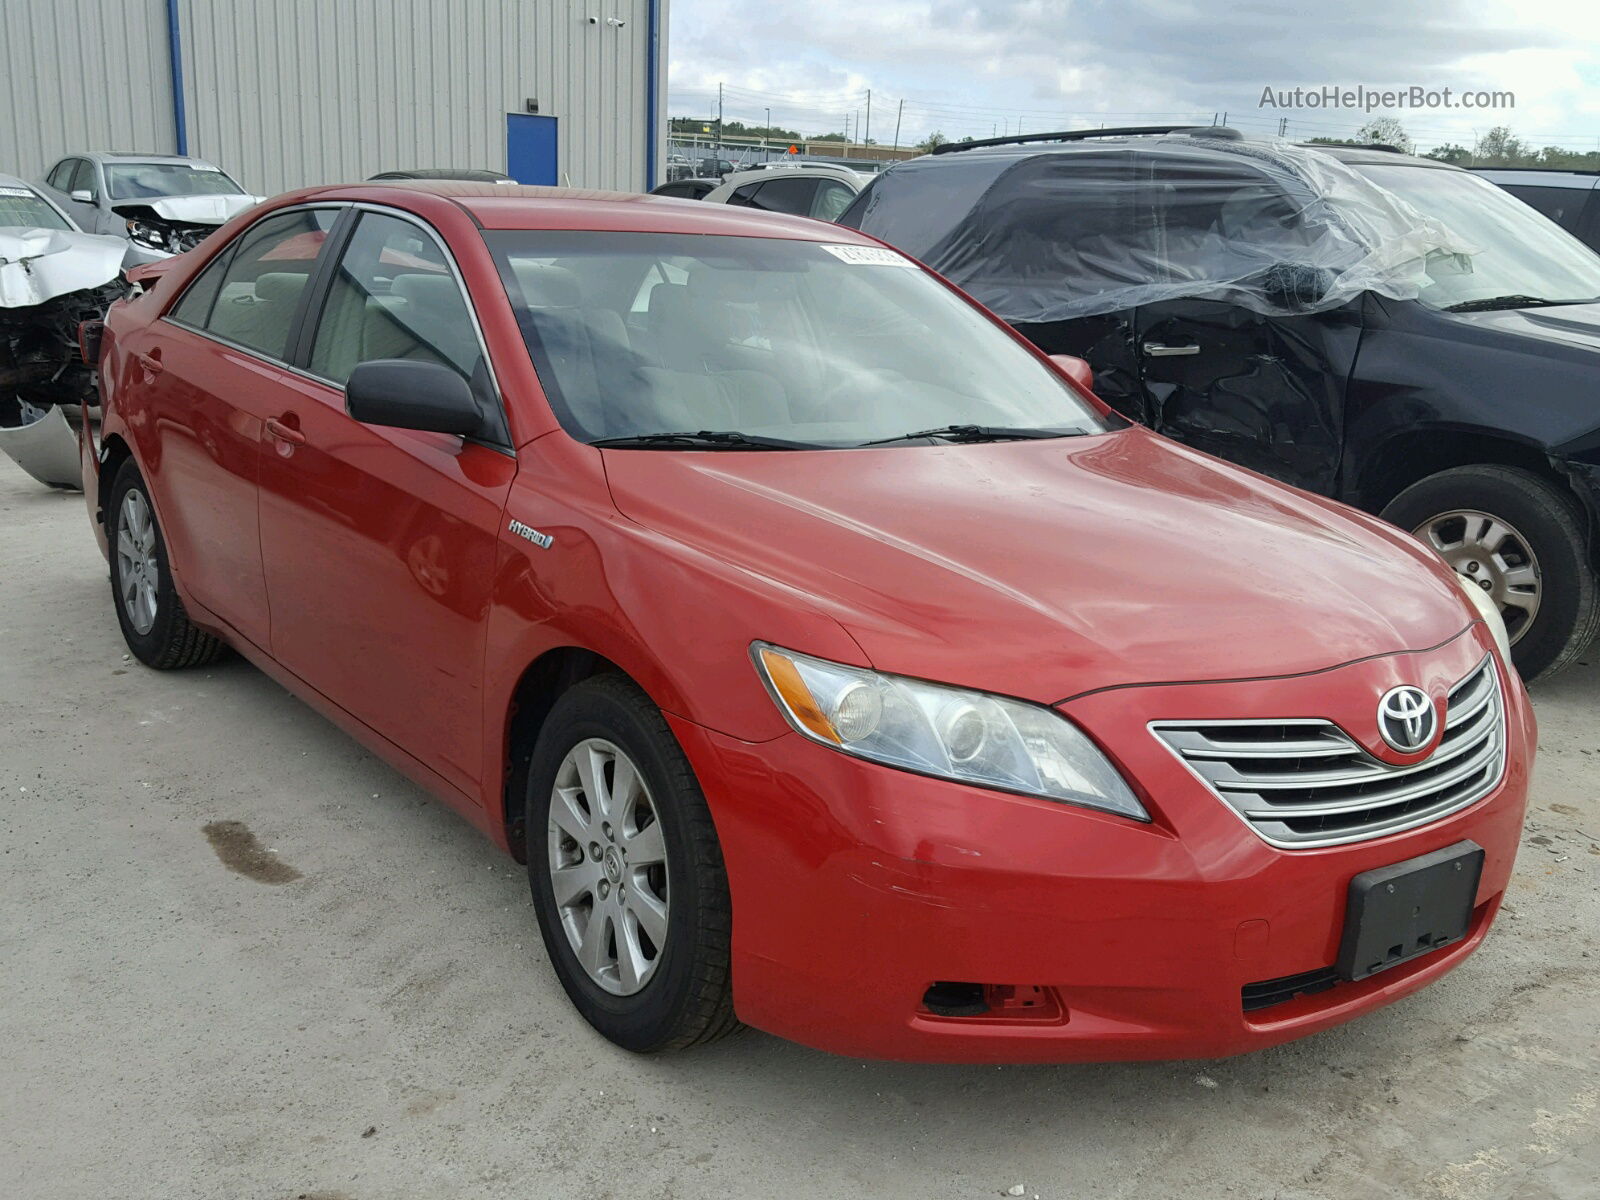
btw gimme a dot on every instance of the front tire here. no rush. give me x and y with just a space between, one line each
626 872
153 620
1521 539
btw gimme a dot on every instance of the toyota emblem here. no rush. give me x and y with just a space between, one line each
1407 719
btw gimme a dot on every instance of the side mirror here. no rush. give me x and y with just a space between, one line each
404 394
81 196
1294 286
1075 369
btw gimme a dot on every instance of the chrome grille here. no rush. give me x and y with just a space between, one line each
1305 783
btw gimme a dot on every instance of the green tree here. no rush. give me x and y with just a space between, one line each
1386 131
1502 148
935 138
1455 155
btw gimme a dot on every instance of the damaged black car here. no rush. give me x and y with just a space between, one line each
1387 330
53 277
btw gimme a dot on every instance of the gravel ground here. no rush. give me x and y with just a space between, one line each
240 958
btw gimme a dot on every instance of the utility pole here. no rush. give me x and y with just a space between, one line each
767 132
868 138
1283 126
719 120
900 113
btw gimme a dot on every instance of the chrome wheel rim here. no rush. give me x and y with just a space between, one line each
137 572
608 866
1491 553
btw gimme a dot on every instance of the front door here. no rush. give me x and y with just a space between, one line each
380 544
1266 392
531 149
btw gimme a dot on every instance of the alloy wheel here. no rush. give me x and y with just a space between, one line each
608 866
1492 554
138 572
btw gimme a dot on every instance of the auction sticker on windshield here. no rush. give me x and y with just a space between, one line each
870 256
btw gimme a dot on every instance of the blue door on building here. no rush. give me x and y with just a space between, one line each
531 148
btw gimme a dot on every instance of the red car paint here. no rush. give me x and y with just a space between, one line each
1120 577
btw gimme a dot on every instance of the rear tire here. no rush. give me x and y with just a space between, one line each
644 994
153 620
1532 548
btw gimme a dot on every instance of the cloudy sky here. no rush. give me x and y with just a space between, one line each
980 68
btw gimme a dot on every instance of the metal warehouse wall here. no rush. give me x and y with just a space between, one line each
284 93
82 75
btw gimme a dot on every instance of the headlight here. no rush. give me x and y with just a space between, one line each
970 737
1490 612
147 235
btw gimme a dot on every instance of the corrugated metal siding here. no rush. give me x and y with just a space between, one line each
82 75
284 93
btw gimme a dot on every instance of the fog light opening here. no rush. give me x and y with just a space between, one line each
948 999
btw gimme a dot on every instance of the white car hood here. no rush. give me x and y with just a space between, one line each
194 210
39 264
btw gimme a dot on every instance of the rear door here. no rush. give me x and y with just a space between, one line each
1263 391
208 374
379 544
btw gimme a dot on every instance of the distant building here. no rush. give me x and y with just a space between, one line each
282 94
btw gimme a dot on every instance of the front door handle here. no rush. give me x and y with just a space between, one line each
149 362
1162 350
284 433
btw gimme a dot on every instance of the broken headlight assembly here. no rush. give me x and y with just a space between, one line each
149 233
951 733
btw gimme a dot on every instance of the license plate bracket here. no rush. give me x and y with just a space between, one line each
1397 913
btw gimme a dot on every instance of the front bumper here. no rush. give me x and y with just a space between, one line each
855 887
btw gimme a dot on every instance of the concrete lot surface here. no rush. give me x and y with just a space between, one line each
240 958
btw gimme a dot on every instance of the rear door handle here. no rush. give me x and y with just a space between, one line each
284 433
149 362
1162 350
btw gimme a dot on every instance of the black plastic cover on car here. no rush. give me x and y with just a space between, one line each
1057 233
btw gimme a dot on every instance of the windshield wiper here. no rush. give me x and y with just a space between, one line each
1492 303
705 439
976 433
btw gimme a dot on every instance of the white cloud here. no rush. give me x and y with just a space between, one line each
967 68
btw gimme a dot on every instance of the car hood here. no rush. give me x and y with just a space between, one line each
1575 325
194 210
1045 569
39 264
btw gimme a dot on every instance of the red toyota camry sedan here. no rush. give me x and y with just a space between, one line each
837 664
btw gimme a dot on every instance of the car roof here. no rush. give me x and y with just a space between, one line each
809 171
13 181
475 174
1175 140
500 206
106 156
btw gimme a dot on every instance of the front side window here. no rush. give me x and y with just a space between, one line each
791 196
60 176
831 200
24 208
394 296
83 179
251 293
140 181
808 344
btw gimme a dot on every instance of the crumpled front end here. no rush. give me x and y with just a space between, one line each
51 281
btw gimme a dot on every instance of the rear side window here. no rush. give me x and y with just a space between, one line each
1561 205
250 295
791 196
394 296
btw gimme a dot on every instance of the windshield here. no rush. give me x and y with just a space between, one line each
20 207
802 343
1517 252
137 181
